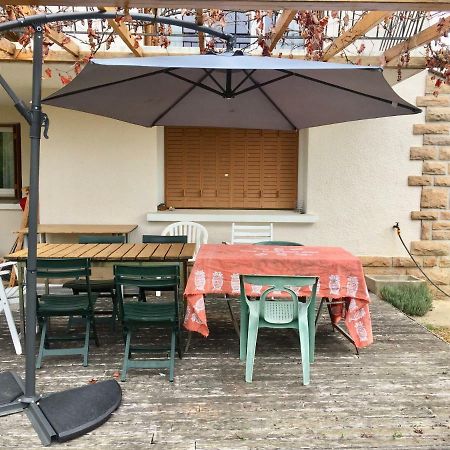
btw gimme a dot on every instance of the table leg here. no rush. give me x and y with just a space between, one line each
243 330
20 275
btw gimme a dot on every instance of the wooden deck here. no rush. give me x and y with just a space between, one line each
395 395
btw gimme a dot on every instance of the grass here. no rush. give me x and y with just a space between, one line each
443 332
412 300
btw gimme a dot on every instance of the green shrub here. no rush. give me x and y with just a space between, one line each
414 300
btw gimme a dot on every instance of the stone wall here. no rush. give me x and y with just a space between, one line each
432 251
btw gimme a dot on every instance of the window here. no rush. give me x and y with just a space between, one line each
231 168
10 163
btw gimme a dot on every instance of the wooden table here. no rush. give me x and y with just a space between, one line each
44 229
105 255
217 267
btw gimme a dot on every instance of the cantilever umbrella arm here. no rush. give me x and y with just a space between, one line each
15 395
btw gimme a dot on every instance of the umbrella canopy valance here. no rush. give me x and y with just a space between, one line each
230 90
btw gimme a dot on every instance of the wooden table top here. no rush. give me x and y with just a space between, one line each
82 229
111 252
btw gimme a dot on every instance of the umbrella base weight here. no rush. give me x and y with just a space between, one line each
63 415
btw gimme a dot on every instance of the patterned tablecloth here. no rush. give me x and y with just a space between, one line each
217 268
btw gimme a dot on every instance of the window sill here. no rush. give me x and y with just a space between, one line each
231 215
10 206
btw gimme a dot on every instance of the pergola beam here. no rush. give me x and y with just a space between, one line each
419 39
368 21
201 36
122 30
233 5
281 26
57 37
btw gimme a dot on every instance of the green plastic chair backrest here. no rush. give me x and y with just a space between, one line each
157 239
51 268
286 243
283 308
147 277
96 239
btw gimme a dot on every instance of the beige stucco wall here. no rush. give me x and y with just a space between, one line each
97 170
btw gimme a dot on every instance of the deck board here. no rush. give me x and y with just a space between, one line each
395 395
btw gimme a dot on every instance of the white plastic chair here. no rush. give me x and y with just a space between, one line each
196 233
251 234
8 296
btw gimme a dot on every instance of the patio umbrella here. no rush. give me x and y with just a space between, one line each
230 90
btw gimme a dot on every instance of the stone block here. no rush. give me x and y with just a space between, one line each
434 168
428 261
444 261
444 152
432 139
424 215
441 235
425 231
442 181
438 115
438 275
434 198
417 180
405 262
444 215
431 100
424 152
431 128
441 225
430 248
376 261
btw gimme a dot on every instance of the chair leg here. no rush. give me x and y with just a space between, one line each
243 331
123 376
312 330
41 344
86 342
172 355
11 325
188 341
114 310
94 331
304 344
251 348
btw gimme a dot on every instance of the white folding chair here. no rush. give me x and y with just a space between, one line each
251 234
8 296
195 233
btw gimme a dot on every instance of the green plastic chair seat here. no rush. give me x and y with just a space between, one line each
57 305
147 312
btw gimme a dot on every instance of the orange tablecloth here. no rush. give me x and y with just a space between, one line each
217 268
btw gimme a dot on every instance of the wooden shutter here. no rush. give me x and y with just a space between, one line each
230 168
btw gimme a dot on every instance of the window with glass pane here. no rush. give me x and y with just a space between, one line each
10 172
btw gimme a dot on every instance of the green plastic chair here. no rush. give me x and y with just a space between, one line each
158 239
65 305
286 311
102 287
136 315
286 243
99 239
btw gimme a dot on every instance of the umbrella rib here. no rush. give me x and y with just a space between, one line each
363 94
215 81
247 76
112 83
181 97
259 86
198 83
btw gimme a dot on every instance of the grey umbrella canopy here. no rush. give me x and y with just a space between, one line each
230 90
